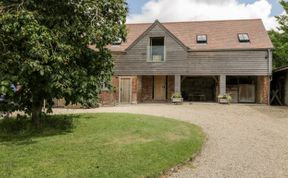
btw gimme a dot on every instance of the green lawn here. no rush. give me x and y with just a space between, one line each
96 145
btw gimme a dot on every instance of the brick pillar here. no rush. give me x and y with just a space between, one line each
266 88
134 99
263 87
139 89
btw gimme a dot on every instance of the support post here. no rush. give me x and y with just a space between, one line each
177 83
222 84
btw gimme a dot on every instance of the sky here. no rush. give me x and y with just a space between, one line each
141 11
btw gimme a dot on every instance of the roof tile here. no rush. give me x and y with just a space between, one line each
222 35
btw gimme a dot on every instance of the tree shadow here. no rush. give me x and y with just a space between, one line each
21 131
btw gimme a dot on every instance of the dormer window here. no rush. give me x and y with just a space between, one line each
201 39
117 42
243 38
157 49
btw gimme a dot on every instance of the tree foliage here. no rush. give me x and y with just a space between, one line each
280 39
44 50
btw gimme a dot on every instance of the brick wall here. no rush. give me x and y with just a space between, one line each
139 89
112 98
108 98
134 90
262 89
147 88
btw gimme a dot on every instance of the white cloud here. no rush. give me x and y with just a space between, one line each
185 10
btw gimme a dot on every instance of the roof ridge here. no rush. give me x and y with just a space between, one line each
196 21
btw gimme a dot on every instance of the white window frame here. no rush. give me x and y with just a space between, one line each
243 40
201 42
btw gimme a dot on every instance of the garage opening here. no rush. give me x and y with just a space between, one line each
242 89
199 88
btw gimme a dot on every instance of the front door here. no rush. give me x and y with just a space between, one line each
125 90
160 88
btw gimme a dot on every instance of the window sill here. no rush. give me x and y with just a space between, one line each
156 61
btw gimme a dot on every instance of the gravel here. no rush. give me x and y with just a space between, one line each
242 140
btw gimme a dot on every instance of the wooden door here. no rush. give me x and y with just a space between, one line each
125 90
160 88
247 93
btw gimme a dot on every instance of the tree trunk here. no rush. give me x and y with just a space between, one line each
37 105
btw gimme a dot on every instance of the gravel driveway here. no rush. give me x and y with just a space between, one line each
243 140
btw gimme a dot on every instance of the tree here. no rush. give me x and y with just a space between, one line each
44 50
280 39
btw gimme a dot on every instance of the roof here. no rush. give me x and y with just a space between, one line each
280 69
222 35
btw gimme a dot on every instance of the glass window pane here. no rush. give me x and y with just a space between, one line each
201 38
243 37
157 49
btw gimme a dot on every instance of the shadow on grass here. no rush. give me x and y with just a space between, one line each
20 130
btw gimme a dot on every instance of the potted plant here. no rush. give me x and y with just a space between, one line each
177 98
224 99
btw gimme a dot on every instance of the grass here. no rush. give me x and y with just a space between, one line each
96 145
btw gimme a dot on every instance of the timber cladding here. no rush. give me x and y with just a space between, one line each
196 63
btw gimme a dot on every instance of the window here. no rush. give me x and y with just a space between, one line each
201 39
117 42
104 87
243 37
157 49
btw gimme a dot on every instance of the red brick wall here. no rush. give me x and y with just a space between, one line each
170 87
112 97
262 90
265 93
139 89
147 88
134 90
108 98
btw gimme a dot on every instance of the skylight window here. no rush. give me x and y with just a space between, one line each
243 37
201 38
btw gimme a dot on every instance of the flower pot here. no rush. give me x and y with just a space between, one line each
177 100
223 101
